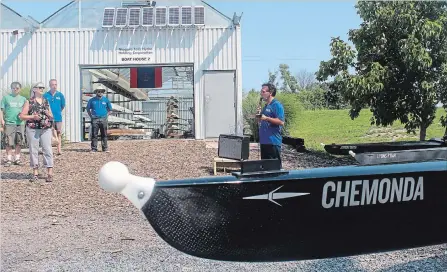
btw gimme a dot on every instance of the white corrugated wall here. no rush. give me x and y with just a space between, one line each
59 53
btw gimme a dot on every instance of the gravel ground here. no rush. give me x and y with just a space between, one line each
73 225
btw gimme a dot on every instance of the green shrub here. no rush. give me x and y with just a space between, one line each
292 110
249 106
313 99
26 91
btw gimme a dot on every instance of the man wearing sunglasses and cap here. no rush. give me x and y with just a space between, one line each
12 105
98 109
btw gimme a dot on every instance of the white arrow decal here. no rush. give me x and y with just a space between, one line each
272 196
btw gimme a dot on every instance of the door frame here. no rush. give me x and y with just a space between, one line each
234 98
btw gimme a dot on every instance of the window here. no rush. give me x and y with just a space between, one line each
108 18
134 16
148 17
199 15
160 16
174 15
121 17
186 15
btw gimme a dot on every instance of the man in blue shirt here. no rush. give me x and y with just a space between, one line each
98 109
57 104
271 121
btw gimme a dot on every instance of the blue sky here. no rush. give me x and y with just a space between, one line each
297 33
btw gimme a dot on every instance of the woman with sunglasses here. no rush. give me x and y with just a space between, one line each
39 121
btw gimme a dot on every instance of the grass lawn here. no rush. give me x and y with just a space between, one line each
335 126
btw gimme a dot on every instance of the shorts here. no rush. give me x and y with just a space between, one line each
57 126
15 135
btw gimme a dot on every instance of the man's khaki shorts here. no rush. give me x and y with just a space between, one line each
15 135
57 126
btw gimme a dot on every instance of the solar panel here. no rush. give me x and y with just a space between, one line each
134 16
108 17
199 15
148 17
121 17
174 15
186 15
160 16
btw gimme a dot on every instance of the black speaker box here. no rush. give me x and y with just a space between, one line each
233 147
260 165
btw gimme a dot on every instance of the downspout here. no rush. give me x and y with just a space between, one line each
239 115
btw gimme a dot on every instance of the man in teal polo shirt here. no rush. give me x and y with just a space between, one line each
271 122
12 105
57 104
98 109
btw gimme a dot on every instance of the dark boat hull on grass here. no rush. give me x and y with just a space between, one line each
401 156
298 215
296 143
343 149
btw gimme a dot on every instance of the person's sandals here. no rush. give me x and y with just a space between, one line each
34 178
49 178
8 163
18 162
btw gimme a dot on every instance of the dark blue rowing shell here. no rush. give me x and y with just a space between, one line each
343 149
303 214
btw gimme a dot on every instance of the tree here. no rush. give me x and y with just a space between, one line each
306 80
400 63
272 77
289 82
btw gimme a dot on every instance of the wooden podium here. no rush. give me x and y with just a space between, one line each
223 162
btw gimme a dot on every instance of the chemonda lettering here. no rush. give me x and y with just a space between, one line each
366 192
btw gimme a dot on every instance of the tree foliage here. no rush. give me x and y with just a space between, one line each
292 110
399 63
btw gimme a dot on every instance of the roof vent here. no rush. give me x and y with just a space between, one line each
136 3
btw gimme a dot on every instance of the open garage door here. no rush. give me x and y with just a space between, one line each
148 101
